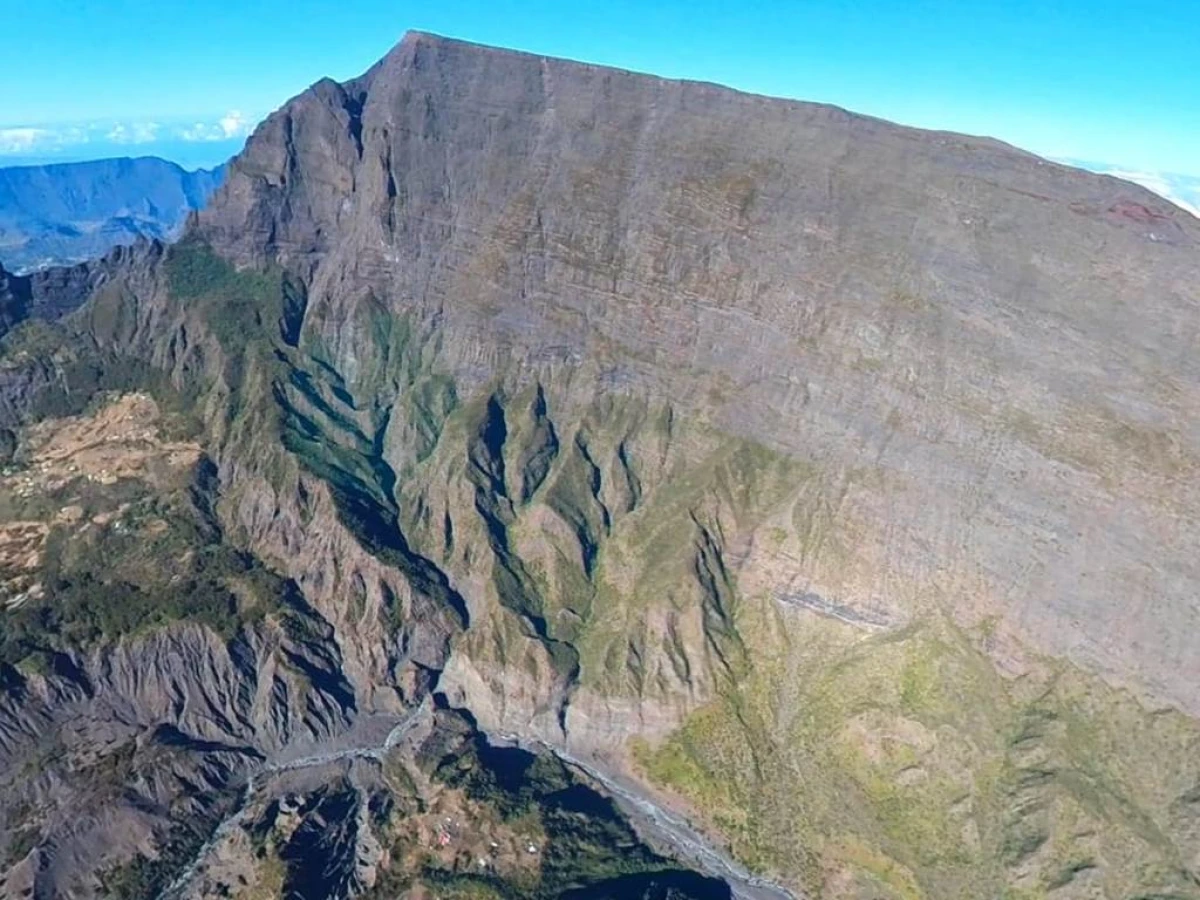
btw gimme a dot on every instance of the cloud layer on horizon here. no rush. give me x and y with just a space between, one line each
74 139
1182 190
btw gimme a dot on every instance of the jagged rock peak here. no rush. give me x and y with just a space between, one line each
410 130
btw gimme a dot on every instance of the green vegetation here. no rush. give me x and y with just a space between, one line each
602 535
21 844
78 374
244 311
667 552
153 556
588 841
157 563
23 834
910 761
143 876
507 799
236 305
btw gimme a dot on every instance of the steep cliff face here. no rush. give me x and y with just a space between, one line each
49 294
828 482
954 315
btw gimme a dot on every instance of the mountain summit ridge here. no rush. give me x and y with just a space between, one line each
419 49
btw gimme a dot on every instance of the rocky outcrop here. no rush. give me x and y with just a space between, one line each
52 293
14 299
107 754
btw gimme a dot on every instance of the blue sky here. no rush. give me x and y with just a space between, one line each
1116 82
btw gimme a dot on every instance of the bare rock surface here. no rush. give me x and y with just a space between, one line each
1004 342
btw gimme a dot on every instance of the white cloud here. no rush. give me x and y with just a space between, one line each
134 133
108 137
199 132
1159 184
30 139
145 132
21 140
232 125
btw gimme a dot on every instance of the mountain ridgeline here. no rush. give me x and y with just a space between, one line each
530 479
72 212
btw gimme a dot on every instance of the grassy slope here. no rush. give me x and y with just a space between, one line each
906 762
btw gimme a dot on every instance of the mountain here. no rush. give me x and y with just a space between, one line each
71 212
526 478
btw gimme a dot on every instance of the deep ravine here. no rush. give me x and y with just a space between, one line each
661 826
376 753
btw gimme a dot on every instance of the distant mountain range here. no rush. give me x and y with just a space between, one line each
69 212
